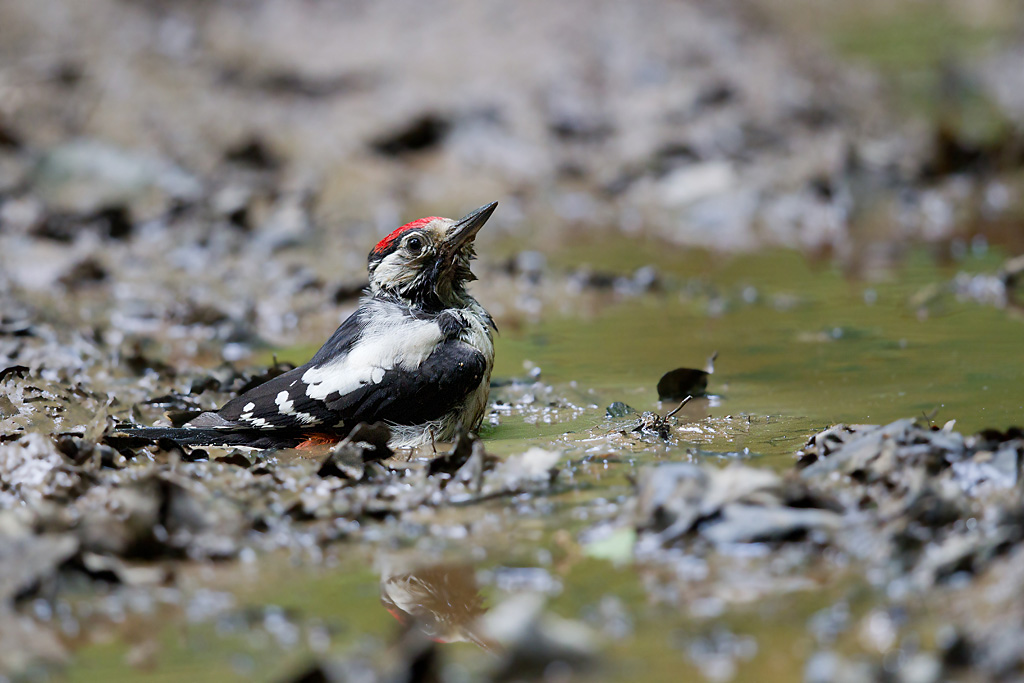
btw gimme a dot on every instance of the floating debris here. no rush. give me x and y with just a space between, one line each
681 383
618 409
652 424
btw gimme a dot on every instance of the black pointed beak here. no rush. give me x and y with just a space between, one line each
466 228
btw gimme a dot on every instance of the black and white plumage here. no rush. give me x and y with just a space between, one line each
417 354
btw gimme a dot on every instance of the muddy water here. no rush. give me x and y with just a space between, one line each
799 347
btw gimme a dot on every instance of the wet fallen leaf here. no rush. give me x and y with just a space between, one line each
675 385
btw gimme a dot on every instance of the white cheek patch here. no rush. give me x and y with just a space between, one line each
394 272
391 340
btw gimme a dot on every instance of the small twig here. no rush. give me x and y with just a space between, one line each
679 407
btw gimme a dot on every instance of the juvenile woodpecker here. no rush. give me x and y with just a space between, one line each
417 354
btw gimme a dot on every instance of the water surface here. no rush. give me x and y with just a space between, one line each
799 347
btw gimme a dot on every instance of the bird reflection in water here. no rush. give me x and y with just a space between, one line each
442 601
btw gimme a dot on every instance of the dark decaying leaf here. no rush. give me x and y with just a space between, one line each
80 451
441 601
315 673
450 462
235 458
675 385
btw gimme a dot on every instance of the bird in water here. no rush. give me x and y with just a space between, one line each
416 354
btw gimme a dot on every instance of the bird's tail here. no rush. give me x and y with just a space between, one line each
185 436
197 436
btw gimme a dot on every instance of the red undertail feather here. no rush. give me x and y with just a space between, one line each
418 223
316 439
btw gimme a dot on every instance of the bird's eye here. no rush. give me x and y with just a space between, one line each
414 245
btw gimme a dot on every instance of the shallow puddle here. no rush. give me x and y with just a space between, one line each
799 347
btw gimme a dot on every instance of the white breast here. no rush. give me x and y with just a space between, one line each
477 335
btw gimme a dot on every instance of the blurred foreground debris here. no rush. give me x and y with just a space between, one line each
922 511
74 509
731 505
898 495
529 642
940 504
1003 289
536 642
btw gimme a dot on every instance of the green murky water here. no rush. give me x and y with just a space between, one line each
799 346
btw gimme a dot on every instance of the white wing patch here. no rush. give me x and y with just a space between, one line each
391 340
286 406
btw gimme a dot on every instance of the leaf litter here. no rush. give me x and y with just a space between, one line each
131 294
918 507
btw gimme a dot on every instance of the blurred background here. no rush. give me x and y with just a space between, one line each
829 194
224 167
731 126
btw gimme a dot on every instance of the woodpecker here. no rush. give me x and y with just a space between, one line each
416 354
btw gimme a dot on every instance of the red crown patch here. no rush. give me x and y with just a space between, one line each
394 235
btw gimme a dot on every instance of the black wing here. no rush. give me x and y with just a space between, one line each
282 403
189 436
408 397
403 397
